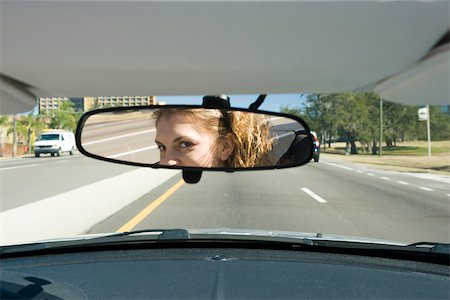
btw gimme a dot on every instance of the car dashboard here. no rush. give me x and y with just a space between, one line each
219 273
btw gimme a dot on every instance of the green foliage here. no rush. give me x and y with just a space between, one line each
4 120
26 127
439 125
354 117
65 117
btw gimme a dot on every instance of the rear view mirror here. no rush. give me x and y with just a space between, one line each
194 137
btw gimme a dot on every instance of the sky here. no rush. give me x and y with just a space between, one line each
273 102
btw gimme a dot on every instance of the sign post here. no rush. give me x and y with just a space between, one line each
381 126
424 115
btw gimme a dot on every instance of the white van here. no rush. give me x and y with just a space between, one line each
55 142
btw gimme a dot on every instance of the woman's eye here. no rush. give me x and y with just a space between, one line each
185 145
161 147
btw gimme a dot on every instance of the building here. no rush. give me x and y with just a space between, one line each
112 101
48 104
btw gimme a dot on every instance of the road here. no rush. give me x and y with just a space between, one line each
330 197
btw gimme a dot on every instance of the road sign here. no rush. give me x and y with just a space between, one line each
423 114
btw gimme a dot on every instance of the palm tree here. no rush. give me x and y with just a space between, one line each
33 125
4 121
25 127
19 131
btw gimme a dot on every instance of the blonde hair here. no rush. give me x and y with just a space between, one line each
249 132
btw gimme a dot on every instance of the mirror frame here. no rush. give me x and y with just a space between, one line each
126 109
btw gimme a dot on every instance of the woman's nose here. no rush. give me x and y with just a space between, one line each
173 162
171 159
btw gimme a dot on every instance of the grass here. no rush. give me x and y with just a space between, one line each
407 156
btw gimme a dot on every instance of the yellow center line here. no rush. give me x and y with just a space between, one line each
146 211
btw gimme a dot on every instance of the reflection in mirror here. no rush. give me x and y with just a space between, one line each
195 137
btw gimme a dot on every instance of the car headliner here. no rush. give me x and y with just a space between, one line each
73 48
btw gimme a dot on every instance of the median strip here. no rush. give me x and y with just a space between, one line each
77 211
151 207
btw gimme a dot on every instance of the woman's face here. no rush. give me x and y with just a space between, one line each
182 143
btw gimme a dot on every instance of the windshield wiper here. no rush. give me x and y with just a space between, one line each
314 243
165 234
115 238
433 247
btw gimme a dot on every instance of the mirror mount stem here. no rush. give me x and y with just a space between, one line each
255 105
216 101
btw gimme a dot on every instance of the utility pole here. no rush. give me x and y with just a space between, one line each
381 126
1 143
428 131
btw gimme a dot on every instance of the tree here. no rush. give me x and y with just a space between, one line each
354 117
320 113
34 125
439 125
65 117
4 121
400 123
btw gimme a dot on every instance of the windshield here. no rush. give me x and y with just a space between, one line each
48 137
350 188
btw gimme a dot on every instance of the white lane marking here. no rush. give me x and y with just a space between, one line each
118 137
18 167
284 134
360 172
385 178
425 188
370 174
434 177
62 161
403 182
335 165
131 152
448 195
314 195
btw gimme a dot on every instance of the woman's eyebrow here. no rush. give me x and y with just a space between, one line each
181 138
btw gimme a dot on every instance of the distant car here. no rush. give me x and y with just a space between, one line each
55 143
316 152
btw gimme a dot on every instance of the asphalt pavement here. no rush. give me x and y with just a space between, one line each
329 197
326 197
28 179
